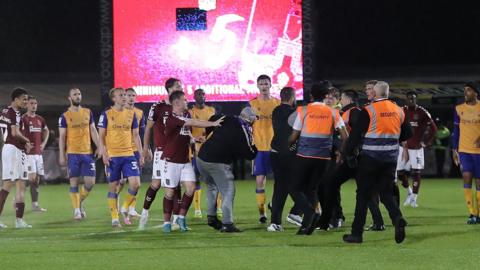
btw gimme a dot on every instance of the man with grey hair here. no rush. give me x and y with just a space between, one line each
382 89
381 126
230 141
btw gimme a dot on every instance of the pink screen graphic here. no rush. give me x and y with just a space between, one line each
242 40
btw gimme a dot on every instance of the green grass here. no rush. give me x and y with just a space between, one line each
437 238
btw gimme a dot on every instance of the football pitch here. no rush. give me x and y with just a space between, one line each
437 237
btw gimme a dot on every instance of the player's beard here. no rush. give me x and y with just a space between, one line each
75 103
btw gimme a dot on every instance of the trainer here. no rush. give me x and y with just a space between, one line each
230 141
381 126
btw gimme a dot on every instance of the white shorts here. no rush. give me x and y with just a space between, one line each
158 165
416 160
14 162
35 164
174 173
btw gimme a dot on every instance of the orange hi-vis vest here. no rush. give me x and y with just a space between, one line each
316 123
382 138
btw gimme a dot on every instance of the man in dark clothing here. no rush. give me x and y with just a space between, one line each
332 214
313 128
230 141
282 158
381 126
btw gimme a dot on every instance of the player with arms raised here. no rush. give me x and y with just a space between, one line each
177 166
156 121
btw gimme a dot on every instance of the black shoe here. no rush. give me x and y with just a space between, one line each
375 228
229 228
269 206
350 238
214 222
302 231
400 230
262 220
313 224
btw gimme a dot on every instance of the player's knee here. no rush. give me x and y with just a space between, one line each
155 185
135 185
88 186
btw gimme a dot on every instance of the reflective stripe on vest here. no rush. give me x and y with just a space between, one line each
317 130
381 139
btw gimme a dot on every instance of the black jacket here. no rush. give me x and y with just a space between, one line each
361 127
232 140
354 113
282 129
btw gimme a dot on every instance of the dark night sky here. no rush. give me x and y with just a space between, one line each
62 35
49 36
378 34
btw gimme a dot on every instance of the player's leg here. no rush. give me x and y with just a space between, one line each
170 181
417 163
89 182
20 204
124 208
151 193
8 175
167 209
130 197
35 183
197 195
402 168
130 169
74 172
132 211
75 198
32 180
6 188
88 172
177 202
187 178
114 174
198 191
476 175
112 198
260 172
468 169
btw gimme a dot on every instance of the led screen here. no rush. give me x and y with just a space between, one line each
220 46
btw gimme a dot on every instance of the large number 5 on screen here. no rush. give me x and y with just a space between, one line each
4 129
220 33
